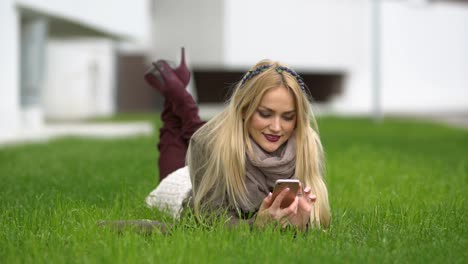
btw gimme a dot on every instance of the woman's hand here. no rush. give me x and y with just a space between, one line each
297 214
270 211
304 208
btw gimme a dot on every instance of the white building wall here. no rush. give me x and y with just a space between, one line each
130 18
324 36
9 69
80 79
313 36
424 54
118 18
425 58
197 25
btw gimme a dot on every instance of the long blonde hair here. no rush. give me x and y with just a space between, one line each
217 151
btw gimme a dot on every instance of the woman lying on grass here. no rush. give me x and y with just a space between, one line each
263 135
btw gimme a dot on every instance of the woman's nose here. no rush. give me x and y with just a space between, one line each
275 125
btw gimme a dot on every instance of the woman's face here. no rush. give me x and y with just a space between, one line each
274 120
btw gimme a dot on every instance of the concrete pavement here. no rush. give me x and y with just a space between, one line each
91 130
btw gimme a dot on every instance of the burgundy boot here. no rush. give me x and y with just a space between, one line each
180 115
155 79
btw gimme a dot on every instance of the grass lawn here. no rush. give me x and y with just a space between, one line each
397 190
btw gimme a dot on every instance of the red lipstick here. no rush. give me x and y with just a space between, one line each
271 138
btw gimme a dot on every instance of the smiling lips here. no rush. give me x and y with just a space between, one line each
272 138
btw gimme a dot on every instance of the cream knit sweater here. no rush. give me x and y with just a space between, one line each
171 192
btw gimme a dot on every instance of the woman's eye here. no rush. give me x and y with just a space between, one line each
264 114
288 118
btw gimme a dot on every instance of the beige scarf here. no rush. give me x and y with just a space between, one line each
264 168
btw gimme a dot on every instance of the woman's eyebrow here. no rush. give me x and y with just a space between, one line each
271 110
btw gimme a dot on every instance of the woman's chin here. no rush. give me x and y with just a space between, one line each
270 146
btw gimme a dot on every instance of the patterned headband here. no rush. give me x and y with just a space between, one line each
250 74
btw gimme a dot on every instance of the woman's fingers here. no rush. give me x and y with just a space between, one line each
279 198
306 202
270 210
289 211
303 191
309 198
267 201
312 198
294 205
288 214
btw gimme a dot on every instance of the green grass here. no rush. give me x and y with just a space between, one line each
397 190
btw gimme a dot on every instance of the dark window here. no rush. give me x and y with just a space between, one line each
214 86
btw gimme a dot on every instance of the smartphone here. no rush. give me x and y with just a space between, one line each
282 184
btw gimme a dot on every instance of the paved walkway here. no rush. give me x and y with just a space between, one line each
458 121
453 120
92 130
